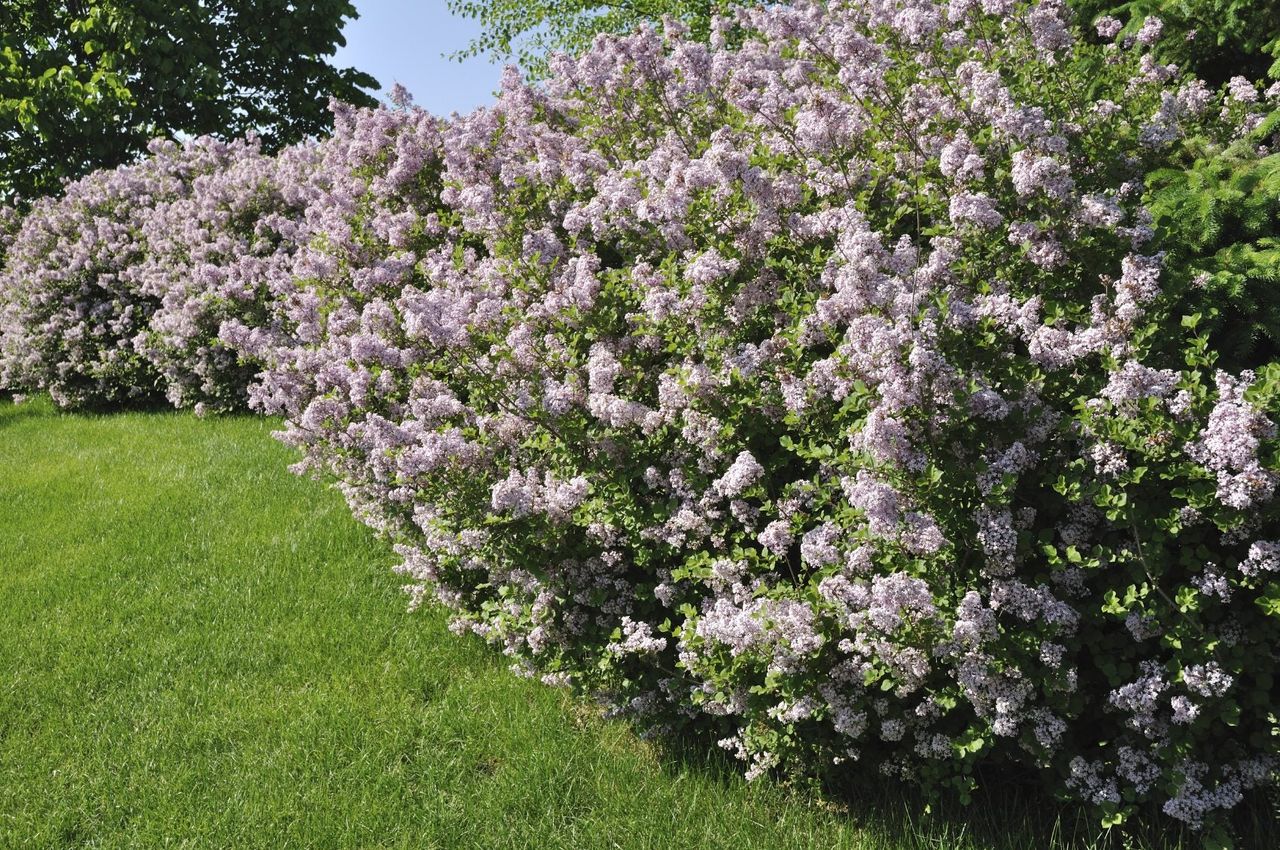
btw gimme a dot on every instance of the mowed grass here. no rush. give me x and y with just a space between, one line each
199 649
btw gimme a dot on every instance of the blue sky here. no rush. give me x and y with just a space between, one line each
404 41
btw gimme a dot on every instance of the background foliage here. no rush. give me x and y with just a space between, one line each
1223 218
87 83
529 32
1213 39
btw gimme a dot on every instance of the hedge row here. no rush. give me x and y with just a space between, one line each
831 387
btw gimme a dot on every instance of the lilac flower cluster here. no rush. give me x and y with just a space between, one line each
118 289
824 386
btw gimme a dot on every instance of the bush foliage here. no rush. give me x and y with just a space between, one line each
866 385
1215 39
84 85
119 289
1222 217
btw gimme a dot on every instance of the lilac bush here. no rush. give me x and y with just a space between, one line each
218 265
824 387
366 182
10 221
119 289
72 301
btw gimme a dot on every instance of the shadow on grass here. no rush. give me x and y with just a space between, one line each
13 412
40 404
1005 813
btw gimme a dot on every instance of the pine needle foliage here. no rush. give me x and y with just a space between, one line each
1214 39
1224 214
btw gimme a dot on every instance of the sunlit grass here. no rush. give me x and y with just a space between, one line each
198 649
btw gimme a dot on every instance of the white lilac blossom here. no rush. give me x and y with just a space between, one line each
1208 679
960 160
1135 382
1242 89
1264 557
744 472
637 637
1107 26
1230 443
1184 710
1032 174
1151 30
975 209
998 539
1213 583
776 537
1141 699
819 547
1109 460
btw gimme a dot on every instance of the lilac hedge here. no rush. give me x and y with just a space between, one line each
118 289
219 261
824 387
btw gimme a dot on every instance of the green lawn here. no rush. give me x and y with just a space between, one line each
198 649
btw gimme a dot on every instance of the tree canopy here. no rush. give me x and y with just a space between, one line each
528 31
86 83
1218 39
